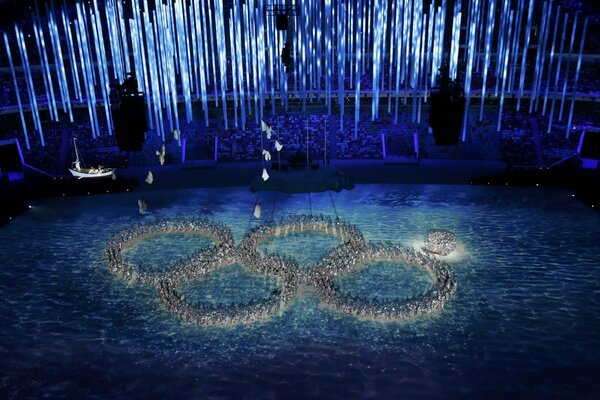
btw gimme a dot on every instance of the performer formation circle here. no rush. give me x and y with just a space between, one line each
353 253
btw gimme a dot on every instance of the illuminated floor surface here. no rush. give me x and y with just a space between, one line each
525 320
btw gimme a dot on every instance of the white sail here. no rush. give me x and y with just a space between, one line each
77 163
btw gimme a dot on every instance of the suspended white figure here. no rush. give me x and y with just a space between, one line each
266 128
267 155
278 146
149 178
257 211
265 176
142 206
161 154
263 126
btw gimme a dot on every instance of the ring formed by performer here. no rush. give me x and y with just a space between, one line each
353 253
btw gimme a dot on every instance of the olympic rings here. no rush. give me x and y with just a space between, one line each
444 284
198 264
353 253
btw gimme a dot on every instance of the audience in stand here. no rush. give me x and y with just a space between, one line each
515 144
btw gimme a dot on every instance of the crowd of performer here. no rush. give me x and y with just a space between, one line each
353 252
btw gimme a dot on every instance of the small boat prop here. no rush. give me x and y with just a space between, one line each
80 172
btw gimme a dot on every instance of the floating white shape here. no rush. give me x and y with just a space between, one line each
161 154
266 155
149 178
266 128
142 206
257 211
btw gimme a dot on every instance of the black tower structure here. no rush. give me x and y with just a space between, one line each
128 107
446 109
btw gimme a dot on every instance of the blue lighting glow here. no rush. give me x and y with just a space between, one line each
30 87
524 59
488 50
549 78
12 71
585 24
181 52
557 76
504 68
565 80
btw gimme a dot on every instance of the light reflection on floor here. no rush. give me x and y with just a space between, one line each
526 266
